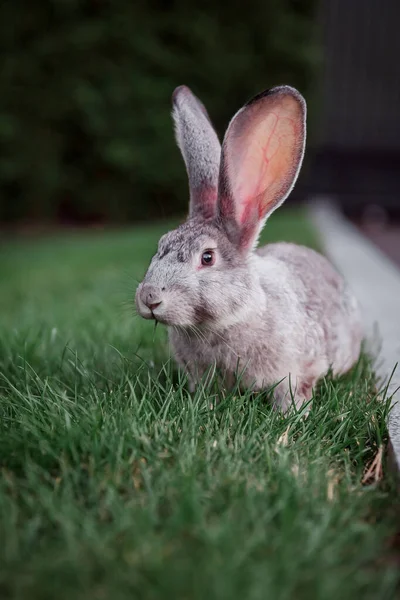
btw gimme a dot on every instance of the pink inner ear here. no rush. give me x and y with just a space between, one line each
263 150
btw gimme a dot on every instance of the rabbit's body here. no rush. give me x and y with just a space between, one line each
280 315
303 322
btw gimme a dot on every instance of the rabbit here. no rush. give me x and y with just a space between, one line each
279 315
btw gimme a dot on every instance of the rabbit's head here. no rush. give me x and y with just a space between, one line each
203 272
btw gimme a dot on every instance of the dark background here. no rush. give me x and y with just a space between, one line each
85 130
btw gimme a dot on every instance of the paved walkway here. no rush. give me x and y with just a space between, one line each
375 280
387 238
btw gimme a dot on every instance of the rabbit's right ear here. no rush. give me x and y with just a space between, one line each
200 149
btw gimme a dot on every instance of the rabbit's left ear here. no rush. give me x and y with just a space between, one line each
261 157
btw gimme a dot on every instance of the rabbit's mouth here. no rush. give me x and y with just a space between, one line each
159 317
154 311
149 301
156 303
149 312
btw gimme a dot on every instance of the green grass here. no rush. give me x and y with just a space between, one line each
115 483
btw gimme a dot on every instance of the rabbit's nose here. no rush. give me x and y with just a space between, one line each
151 296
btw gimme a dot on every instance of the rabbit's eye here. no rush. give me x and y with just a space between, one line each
208 258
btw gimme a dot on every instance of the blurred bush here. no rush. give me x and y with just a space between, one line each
85 127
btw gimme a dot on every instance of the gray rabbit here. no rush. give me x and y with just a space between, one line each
279 314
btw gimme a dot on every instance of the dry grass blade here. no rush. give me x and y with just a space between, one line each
374 471
283 439
333 480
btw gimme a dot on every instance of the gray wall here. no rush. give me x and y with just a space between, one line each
361 77
356 143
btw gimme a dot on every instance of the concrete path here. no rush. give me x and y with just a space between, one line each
375 280
386 237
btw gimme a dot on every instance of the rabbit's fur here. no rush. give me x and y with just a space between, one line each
279 314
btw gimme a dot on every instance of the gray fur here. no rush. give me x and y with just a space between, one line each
200 149
277 314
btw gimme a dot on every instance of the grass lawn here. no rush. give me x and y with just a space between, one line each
115 483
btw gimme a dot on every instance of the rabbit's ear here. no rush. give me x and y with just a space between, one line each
200 149
261 157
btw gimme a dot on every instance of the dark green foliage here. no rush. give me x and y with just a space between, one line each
85 127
